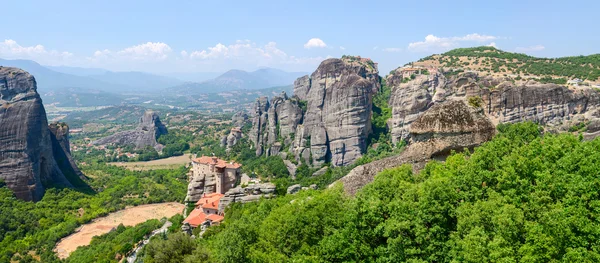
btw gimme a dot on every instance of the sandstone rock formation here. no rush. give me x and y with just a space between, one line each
327 120
447 126
231 139
146 134
239 119
62 150
501 99
198 185
32 156
252 192
435 114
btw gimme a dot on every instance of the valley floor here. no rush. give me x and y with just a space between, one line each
166 163
128 217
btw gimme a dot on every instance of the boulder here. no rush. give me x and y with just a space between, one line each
294 189
291 167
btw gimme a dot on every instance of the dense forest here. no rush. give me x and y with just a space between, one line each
522 197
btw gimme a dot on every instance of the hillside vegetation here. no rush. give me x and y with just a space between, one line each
522 197
502 62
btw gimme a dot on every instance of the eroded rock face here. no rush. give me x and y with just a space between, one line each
336 120
27 146
200 184
145 134
302 86
446 126
435 115
250 193
259 124
502 100
239 119
61 148
274 121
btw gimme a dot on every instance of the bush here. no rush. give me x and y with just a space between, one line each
475 101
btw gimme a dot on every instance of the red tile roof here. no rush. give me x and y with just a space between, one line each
217 162
196 218
210 201
215 218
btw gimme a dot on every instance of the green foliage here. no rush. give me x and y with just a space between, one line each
583 67
580 126
303 105
522 197
382 112
475 101
170 248
553 80
26 226
120 241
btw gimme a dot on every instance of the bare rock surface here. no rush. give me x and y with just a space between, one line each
250 193
435 114
27 146
329 117
145 134
447 126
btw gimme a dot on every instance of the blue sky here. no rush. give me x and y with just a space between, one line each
209 36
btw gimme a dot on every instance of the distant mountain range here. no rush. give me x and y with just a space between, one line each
63 79
240 80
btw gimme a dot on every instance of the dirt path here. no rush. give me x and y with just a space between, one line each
167 163
128 217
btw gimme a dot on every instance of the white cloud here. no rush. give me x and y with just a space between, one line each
246 52
392 49
493 44
160 57
530 48
375 47
315 42
149 50
434 43
10 49
342 48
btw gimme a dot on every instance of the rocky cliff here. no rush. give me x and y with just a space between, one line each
502 100
327 120
436 113
32 155
145 134
446 126
250 193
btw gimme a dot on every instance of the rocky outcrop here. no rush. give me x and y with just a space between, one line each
301 87
291 167
274 123
259 124
235 134
61 148
199 184
145 134
250 193
329 117
294 189
501 99
239 119
32 156
447 126
435 114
